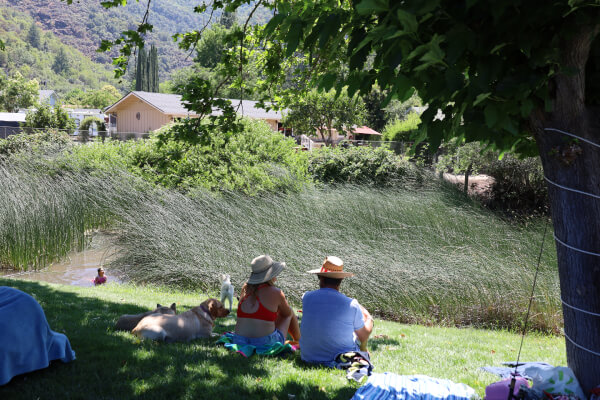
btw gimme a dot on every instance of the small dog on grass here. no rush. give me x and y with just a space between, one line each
192 324
226 290
128 321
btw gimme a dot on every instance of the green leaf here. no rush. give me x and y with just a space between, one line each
284 7
491 115
330 29
273 23
408 21
368 7
526 108
454 79
435 133
481 97
293 37
497 47
327 81
403 87
2 47
471 3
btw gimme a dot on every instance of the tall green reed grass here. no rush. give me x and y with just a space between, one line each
45 211
422 254
426 255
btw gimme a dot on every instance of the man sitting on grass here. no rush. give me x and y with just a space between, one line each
332 322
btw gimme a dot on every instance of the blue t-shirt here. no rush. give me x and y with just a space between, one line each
329 319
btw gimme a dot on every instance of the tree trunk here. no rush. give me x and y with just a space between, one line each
575 216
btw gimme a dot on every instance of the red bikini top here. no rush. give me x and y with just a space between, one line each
263 313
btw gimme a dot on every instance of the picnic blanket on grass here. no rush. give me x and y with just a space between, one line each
26 341
248 350
389 386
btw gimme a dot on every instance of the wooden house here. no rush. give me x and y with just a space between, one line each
142 112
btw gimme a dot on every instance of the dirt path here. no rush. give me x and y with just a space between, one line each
479 185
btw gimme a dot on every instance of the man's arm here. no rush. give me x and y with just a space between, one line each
363 333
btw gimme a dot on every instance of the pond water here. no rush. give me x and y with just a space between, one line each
78 268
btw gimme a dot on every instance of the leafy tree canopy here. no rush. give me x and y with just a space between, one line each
211 46
100 98
324 112
46 117
61 64
17 92
34 36
486 81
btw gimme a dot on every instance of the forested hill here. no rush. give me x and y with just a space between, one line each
40 55
84 24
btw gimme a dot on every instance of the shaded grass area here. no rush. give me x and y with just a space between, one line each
116 365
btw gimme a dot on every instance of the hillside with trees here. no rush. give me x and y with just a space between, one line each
82 25
40 55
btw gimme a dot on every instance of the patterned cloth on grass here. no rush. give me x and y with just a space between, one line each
248 350
389 386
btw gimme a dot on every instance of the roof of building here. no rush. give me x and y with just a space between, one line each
45 94
249 108
12 117
364 130
171 104
84 110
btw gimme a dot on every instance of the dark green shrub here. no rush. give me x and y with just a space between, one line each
363 164
46 117
252 161
42 142
519 185
400 129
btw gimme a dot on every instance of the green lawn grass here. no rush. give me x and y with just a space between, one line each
115 365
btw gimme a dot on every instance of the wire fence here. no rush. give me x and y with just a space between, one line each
77 136
94 136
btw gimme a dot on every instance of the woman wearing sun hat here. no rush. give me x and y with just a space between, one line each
264 315
332 323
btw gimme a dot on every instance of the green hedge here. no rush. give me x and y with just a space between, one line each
42 142
362 164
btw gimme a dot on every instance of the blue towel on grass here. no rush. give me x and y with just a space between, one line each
390 386
26 341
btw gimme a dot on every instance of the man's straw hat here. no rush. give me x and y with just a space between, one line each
333 267
264 269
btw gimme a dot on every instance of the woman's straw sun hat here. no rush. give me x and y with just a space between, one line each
333 267
264 269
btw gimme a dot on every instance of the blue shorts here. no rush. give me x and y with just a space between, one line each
268 340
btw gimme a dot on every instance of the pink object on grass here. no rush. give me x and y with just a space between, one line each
499 390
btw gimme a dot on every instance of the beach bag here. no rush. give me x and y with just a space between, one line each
555 380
